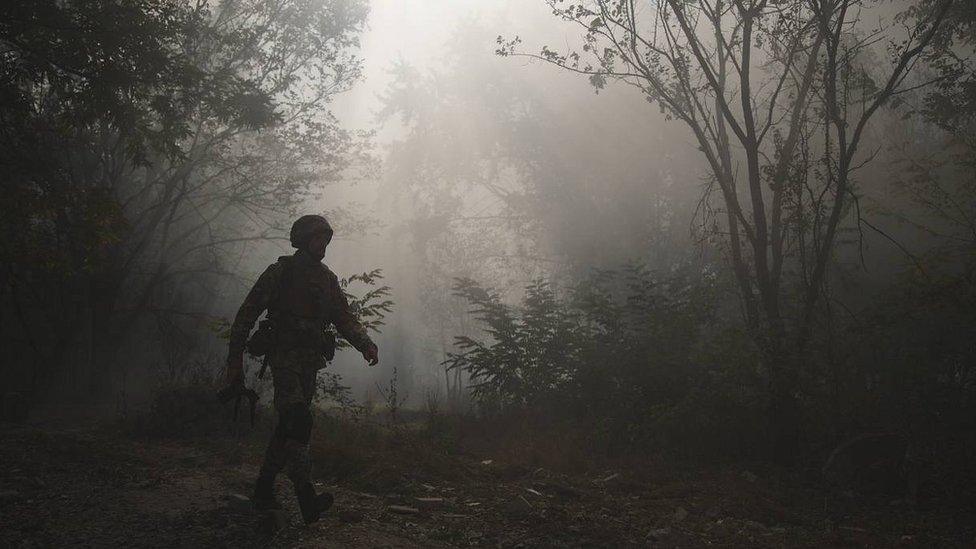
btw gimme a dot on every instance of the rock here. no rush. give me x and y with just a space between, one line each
749 476
680 514
403 510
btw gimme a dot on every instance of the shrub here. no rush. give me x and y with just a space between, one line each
630 352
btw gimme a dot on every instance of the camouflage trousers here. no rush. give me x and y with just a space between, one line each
293 372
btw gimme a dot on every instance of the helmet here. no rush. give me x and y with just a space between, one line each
305 227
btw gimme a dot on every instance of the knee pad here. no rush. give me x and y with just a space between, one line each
295 423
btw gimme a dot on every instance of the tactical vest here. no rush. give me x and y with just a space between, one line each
302 298
300 311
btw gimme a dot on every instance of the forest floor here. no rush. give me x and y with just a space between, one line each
78 483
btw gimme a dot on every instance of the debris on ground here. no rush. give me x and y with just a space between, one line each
96 488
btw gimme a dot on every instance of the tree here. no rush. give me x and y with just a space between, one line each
497 177
149 142
784 92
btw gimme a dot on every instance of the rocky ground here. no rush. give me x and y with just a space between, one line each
98 486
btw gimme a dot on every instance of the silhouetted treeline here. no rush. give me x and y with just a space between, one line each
144 146
844 214
828 188
801 201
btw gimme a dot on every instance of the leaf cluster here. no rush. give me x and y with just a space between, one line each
617 343
373 305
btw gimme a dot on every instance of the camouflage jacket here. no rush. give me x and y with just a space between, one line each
302 297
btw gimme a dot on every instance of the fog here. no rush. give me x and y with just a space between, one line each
507 170
614 251
622 183
616 130
457 142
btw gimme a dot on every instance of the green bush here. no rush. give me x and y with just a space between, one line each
641 357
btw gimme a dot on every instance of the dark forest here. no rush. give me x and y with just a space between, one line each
518 273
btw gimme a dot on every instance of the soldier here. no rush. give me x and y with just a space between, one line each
302 297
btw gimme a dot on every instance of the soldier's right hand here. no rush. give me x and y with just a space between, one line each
371 354
235 370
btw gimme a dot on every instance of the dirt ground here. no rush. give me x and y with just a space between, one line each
100 486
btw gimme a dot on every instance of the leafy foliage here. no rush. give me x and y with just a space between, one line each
147 144
628 346
373 306
815 93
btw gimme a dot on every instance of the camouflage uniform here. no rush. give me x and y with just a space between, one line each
302 297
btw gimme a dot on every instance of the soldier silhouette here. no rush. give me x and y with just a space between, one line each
302 297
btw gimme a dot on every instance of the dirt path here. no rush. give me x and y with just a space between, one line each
96 488
93 489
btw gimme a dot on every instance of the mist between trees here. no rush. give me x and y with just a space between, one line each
757 238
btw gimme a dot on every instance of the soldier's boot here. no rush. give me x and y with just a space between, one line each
264 498
312 504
